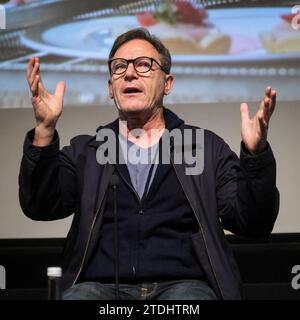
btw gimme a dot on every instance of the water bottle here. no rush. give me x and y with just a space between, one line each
54 283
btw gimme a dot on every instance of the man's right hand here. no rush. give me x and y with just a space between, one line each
47 107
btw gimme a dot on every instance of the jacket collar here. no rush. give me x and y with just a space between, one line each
172 121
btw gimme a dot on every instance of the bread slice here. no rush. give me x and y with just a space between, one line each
273 44
188 39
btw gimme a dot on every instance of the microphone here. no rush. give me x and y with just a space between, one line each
114 182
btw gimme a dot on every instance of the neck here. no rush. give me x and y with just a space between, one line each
145 129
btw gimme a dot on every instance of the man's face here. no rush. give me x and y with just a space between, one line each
135 92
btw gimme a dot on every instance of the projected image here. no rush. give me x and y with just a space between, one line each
220 53
186 29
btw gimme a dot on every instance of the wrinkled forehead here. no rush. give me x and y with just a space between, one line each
136 48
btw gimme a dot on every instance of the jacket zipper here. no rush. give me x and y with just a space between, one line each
131 188
96 213
140 202
92 227
199 223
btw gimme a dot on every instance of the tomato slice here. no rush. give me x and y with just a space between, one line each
146 19
189 14
288 17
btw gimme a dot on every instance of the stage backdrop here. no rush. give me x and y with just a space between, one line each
224 52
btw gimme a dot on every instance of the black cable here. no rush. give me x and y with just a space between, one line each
115 183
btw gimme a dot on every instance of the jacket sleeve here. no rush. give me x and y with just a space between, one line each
247 196
47 180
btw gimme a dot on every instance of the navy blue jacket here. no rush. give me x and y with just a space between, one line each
238 195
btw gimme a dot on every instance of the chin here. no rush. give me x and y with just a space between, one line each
133 109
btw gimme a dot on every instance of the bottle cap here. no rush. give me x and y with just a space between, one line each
54 272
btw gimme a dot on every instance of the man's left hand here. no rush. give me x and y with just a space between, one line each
255 131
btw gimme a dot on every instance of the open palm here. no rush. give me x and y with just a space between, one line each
47 107
255 130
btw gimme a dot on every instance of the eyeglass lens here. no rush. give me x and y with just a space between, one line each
141 65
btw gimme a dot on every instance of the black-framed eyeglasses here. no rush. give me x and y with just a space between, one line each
119 66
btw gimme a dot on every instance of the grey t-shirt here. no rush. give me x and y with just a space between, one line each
141 163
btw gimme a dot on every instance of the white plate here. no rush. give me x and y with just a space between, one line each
94 38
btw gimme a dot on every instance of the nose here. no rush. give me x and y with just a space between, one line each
131 72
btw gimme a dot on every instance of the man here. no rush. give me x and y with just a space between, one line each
147 230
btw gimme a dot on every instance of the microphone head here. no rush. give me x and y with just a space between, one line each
115 180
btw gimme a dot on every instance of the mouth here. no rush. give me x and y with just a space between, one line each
132 90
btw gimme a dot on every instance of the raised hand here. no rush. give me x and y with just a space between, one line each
47 107
255 130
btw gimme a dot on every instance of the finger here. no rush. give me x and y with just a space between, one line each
42 90
263 124
31 63
270 101
30 66
34 71
266 98
268 91
35 87
265 109
244 112
273 101
60 89
264 114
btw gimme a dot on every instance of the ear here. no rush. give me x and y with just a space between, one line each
169 80
110 90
